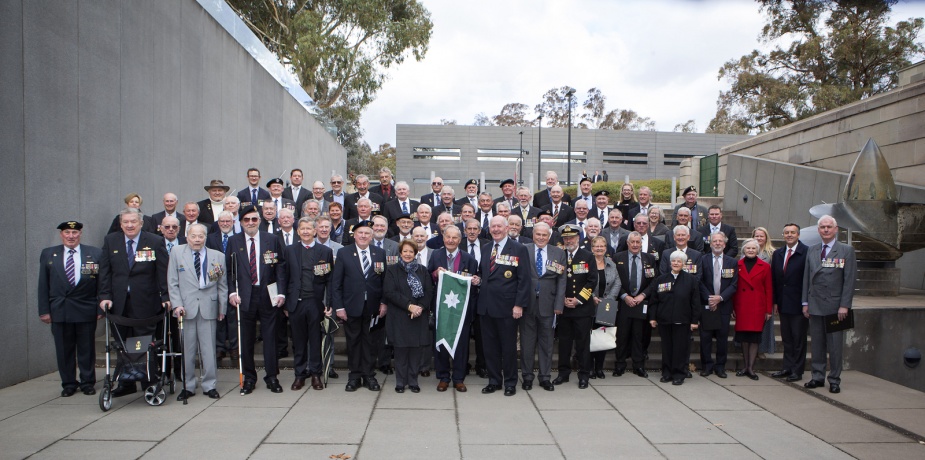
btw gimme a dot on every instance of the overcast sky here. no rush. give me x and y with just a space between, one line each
657 57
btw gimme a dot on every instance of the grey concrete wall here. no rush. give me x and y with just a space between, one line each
99 98
880 337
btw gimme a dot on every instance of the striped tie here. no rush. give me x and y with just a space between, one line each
198 264
69 268
130 253
365 262
494 254
253 261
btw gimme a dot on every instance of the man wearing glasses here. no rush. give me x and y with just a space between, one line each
336 194
432 199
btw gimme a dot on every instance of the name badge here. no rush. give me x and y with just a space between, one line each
322 269
665 287
270 258
145 255
728 273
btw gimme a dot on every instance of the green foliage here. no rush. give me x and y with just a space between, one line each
838 52
661 189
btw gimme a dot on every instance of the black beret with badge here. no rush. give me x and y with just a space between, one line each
584 179
506 182
471 182
275 180
248 210
689 189
70 225
602 193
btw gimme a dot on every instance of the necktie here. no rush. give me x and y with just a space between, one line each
379 244
198 264
277 203
287 239
253 261
169 247
69 268
717 273
582 231
404 207
787 259
130 253
494 254
825 248
600 216
634 278
224 242
485 221
524 212
420 258
365 262
539 262
254 197
472 249
555 213
449 261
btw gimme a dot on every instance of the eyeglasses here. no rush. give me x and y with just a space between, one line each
436 183
250 219
336 182
170 226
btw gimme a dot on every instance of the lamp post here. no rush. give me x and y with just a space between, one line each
539 151
568 176
520 173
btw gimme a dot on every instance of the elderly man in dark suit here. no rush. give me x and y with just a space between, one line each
67 301
682 243
133 279
558 207
170 209
828 289
400 206
210 207
547 276
695 238
385 187
717 287
504 293
361 182
637 269
650 244
253 194
698 211
577 311
356 293
256 261
787 266
544 197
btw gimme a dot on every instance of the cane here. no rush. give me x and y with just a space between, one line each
183 360
234 276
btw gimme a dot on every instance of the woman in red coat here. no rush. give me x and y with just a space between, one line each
752 304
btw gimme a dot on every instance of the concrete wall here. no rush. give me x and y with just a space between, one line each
880 337
99 98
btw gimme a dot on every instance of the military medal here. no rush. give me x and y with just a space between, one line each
269 258
508 274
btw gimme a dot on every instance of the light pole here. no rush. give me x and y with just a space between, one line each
539 152
520 174
568 176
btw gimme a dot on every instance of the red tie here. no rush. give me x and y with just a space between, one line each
253 262
787 259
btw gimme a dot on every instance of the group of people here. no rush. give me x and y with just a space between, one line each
282 258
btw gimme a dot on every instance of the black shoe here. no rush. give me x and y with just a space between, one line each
387 370
721 373
510 391
399 389
547 385
781 374
274 386
665 379
560 380
88 391
600 374
689 375
814 384
68 392
834 388
185 394
489 389
751 375
332 374
213 393
678 382
352 385
527 386
582 384
414 389
592 375
248 387
794 378
482 372
705 373
740 373
618 372
641 372
373 385
123 390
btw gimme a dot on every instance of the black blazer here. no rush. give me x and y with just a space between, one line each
67 304
304 195
147 280
272 272
359 295
391 210
656 246
386 197
695 242
158 217
350 204
732 241
675 300
566 213
541 198
244 195
581 285
648 263
727 285
507 286
205 212
788 287
629 211
214 241
455 210
429 199
318 255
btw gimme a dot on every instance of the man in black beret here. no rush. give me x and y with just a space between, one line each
698 212
472 194
276 187
507 193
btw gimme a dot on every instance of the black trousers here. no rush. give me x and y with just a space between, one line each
632 334
575 331
282 333
226 332
384 355
479 346
260 309
361 348
793 331
721 336
676 349
305 321
442 358
499 339
75 343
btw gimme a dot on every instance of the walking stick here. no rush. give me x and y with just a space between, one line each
234 275
183 360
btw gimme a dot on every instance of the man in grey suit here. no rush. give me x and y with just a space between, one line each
198 291
828 288
547 275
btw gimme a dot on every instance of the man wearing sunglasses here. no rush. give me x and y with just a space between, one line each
432 199
336 194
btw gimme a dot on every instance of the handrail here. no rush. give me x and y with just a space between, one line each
748 190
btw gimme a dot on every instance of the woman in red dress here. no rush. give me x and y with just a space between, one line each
752 304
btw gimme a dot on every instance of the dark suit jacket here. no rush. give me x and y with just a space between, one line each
645 283
656 247
317 256
273 272
329 196
512 202
507 286
347 238
566 213
788 287
698 220
675 300
541 198
359 295
429 199
147 225
732 243
455 210
377 189
304 195
147 280
158 217
727 284
629 211
696 240
392 210
56 296
205 212
244 195
350 204
292 240
214 241
285 203
265 225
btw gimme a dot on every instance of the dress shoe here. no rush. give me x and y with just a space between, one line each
482 372
582 384
274 386
689 375
185 394
332 374
794 378
600 374
460 387
123 390
678 382
527 386
442 386
372 384
220 355
68 392
425 373
781 374
88 391
317 384
560 380
298 384
414 388
814 384
234 353
547 385
641 372
399 389
721 373
248 387
705 373
665 379
592 375
489 389
510 391
213 393
751 375
352 385
618 372
834 388
387 370
740 373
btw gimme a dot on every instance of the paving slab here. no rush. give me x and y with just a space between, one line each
499 419
597 433
864 391
344 420
511 452
910 419
30 431
268 451
567 397
233 432
763 433
80 450
710 451
627 379
428 398
700 394
877 451
428 433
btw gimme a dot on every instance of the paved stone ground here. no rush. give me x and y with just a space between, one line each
625 417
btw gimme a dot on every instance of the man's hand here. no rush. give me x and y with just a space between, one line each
234 299
518 312
842 313
653 323
342 314
382 309
221 316
47 319
105 305
693 327
558 312
476 280
597 300
179 311
328 311
280 300
806 311
630 301
570 302
713 301
166 304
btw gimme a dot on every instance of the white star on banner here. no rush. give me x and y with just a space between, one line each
451 300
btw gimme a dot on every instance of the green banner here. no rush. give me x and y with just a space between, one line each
452 305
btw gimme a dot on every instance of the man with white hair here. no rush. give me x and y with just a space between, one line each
317 194
447 204
311 208
287 233
544 197
364 208
400 206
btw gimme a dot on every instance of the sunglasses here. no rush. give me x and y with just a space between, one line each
170 226
436 183
336 182
250 219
